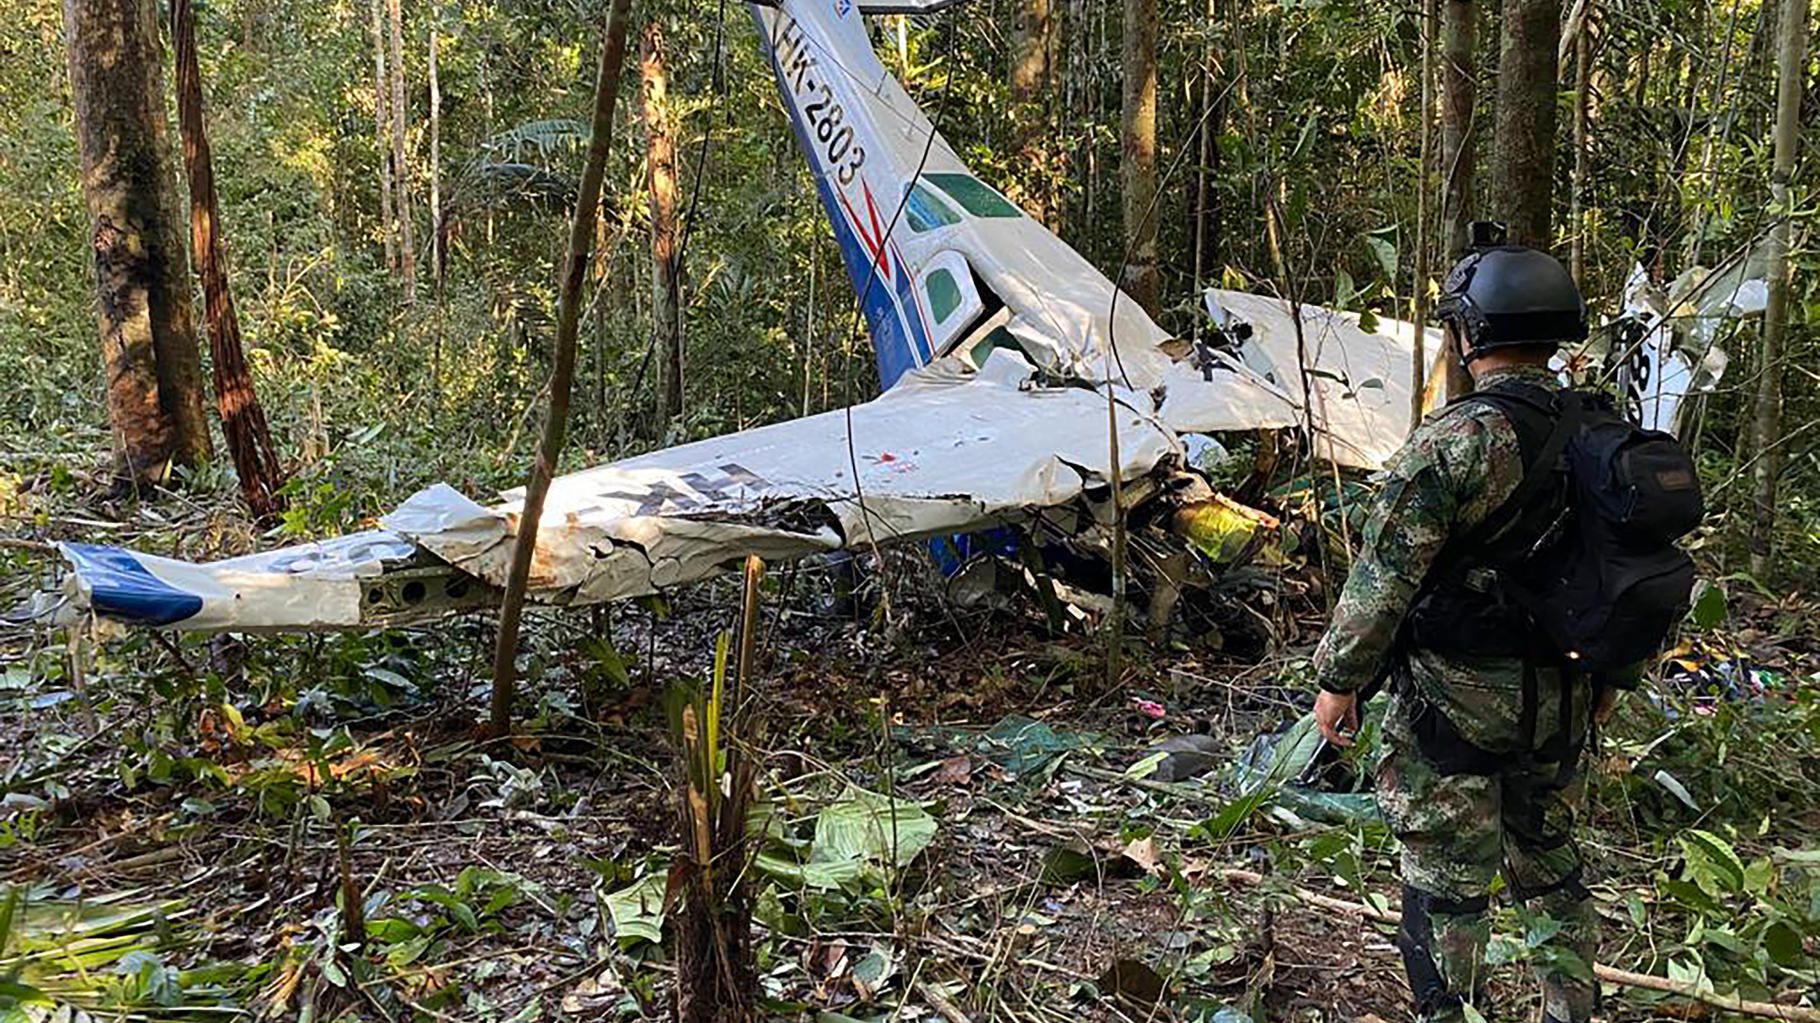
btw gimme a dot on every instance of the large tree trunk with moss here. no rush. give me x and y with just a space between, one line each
1034 86
1766 432
1137 150
148 332
242 419
1523 148
666 257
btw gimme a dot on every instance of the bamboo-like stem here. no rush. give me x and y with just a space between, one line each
1418 359
562 376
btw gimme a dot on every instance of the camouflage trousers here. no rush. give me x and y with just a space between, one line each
1458 831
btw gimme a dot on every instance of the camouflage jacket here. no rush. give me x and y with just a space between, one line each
1457 467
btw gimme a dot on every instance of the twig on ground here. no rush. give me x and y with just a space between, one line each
1609 974
940 1003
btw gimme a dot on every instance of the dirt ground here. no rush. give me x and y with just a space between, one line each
1056 887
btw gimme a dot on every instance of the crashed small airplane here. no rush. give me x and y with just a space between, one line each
999 349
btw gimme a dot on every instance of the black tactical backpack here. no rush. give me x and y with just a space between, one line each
1584 549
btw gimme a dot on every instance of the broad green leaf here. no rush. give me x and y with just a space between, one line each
1712 862
1345 291
826 876
1221 825
1690 976
637 911
1385 252
872 828
1783 943
1710 606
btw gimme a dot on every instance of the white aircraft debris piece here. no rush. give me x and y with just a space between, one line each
1349 384
311 585
939 457
963 271
1666 346
942 454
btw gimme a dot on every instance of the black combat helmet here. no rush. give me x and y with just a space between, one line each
1503 295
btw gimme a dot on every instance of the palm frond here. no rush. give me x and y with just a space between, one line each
547 138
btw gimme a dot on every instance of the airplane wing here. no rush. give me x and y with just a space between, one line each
939 454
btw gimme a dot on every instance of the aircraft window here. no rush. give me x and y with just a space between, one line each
944 294
973 196
926 213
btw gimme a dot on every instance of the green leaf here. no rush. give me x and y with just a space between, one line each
607 657
1691 976
464 915
1688 896
1712 863
1221 825
407 952
872 828
1710 606
1386 254
1676 789
391 929
1783 943
1345 292
1541 931
637 911
1069 862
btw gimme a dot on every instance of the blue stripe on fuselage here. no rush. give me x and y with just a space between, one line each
124 589
900 342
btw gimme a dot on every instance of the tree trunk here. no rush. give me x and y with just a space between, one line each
562 375
666 258
1458 88
439 253
1137 150
401 179
1418 360
1210 124
388 225
1582 155
1458 157
1523 144
242 419
1791 66
1033 86
148 333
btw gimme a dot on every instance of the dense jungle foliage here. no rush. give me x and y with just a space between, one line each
316 827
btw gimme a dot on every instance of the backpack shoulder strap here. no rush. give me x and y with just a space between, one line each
1518 406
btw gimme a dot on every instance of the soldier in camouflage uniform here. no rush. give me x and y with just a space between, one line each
1462 778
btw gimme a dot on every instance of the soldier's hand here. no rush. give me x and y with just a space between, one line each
1334 710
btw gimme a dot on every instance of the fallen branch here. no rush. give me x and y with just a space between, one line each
1608 974
940 1003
